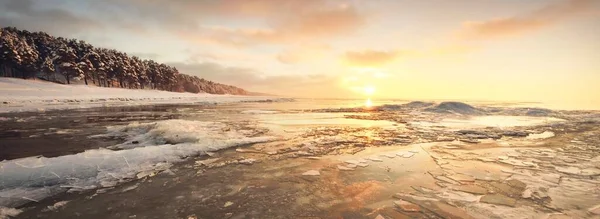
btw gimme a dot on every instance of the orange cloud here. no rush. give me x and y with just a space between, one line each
511 26
369 58
292 22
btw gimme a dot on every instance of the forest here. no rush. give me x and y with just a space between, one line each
26 54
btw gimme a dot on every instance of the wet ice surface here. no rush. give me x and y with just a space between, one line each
327 163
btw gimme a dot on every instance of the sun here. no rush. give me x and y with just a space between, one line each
369 90
369 103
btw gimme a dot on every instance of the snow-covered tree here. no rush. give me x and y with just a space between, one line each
25 54
67 63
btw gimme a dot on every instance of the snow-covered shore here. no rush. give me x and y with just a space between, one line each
17 95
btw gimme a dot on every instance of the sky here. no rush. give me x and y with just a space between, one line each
498 50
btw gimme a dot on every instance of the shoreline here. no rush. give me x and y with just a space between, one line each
17 95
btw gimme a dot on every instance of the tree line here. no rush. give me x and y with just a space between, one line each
27 54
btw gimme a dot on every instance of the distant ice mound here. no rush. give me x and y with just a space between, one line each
538 112
455 107
411 105
534 112
418 104
149 148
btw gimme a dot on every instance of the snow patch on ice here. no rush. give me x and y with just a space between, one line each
6 213
543 135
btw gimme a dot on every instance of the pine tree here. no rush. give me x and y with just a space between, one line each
66 62
25 54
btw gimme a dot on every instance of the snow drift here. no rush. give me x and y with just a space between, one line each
32 95
160 144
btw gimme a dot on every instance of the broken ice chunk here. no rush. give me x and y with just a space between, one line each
527 193
590 172
375 159
56 206
340 167
407 206
352 162
498 199
210 154
362 164
595 210
568 170
247 161
529 163
207 161
390 155
311 173
553 178
408 155
543 135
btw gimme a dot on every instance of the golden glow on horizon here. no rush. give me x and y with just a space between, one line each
369 103
493 50
369 90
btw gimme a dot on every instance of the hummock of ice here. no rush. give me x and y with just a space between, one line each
160 144
455 107
212 135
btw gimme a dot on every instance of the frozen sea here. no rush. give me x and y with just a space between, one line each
320 158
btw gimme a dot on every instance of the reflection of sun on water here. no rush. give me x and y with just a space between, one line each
369 90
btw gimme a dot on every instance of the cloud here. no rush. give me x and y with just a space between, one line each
219 73
303 53
535 20
290 21
369 58
253 80
269 21
22 14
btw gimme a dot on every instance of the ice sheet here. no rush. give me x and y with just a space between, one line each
161 143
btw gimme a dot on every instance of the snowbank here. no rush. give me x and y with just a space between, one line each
31 95
160 144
